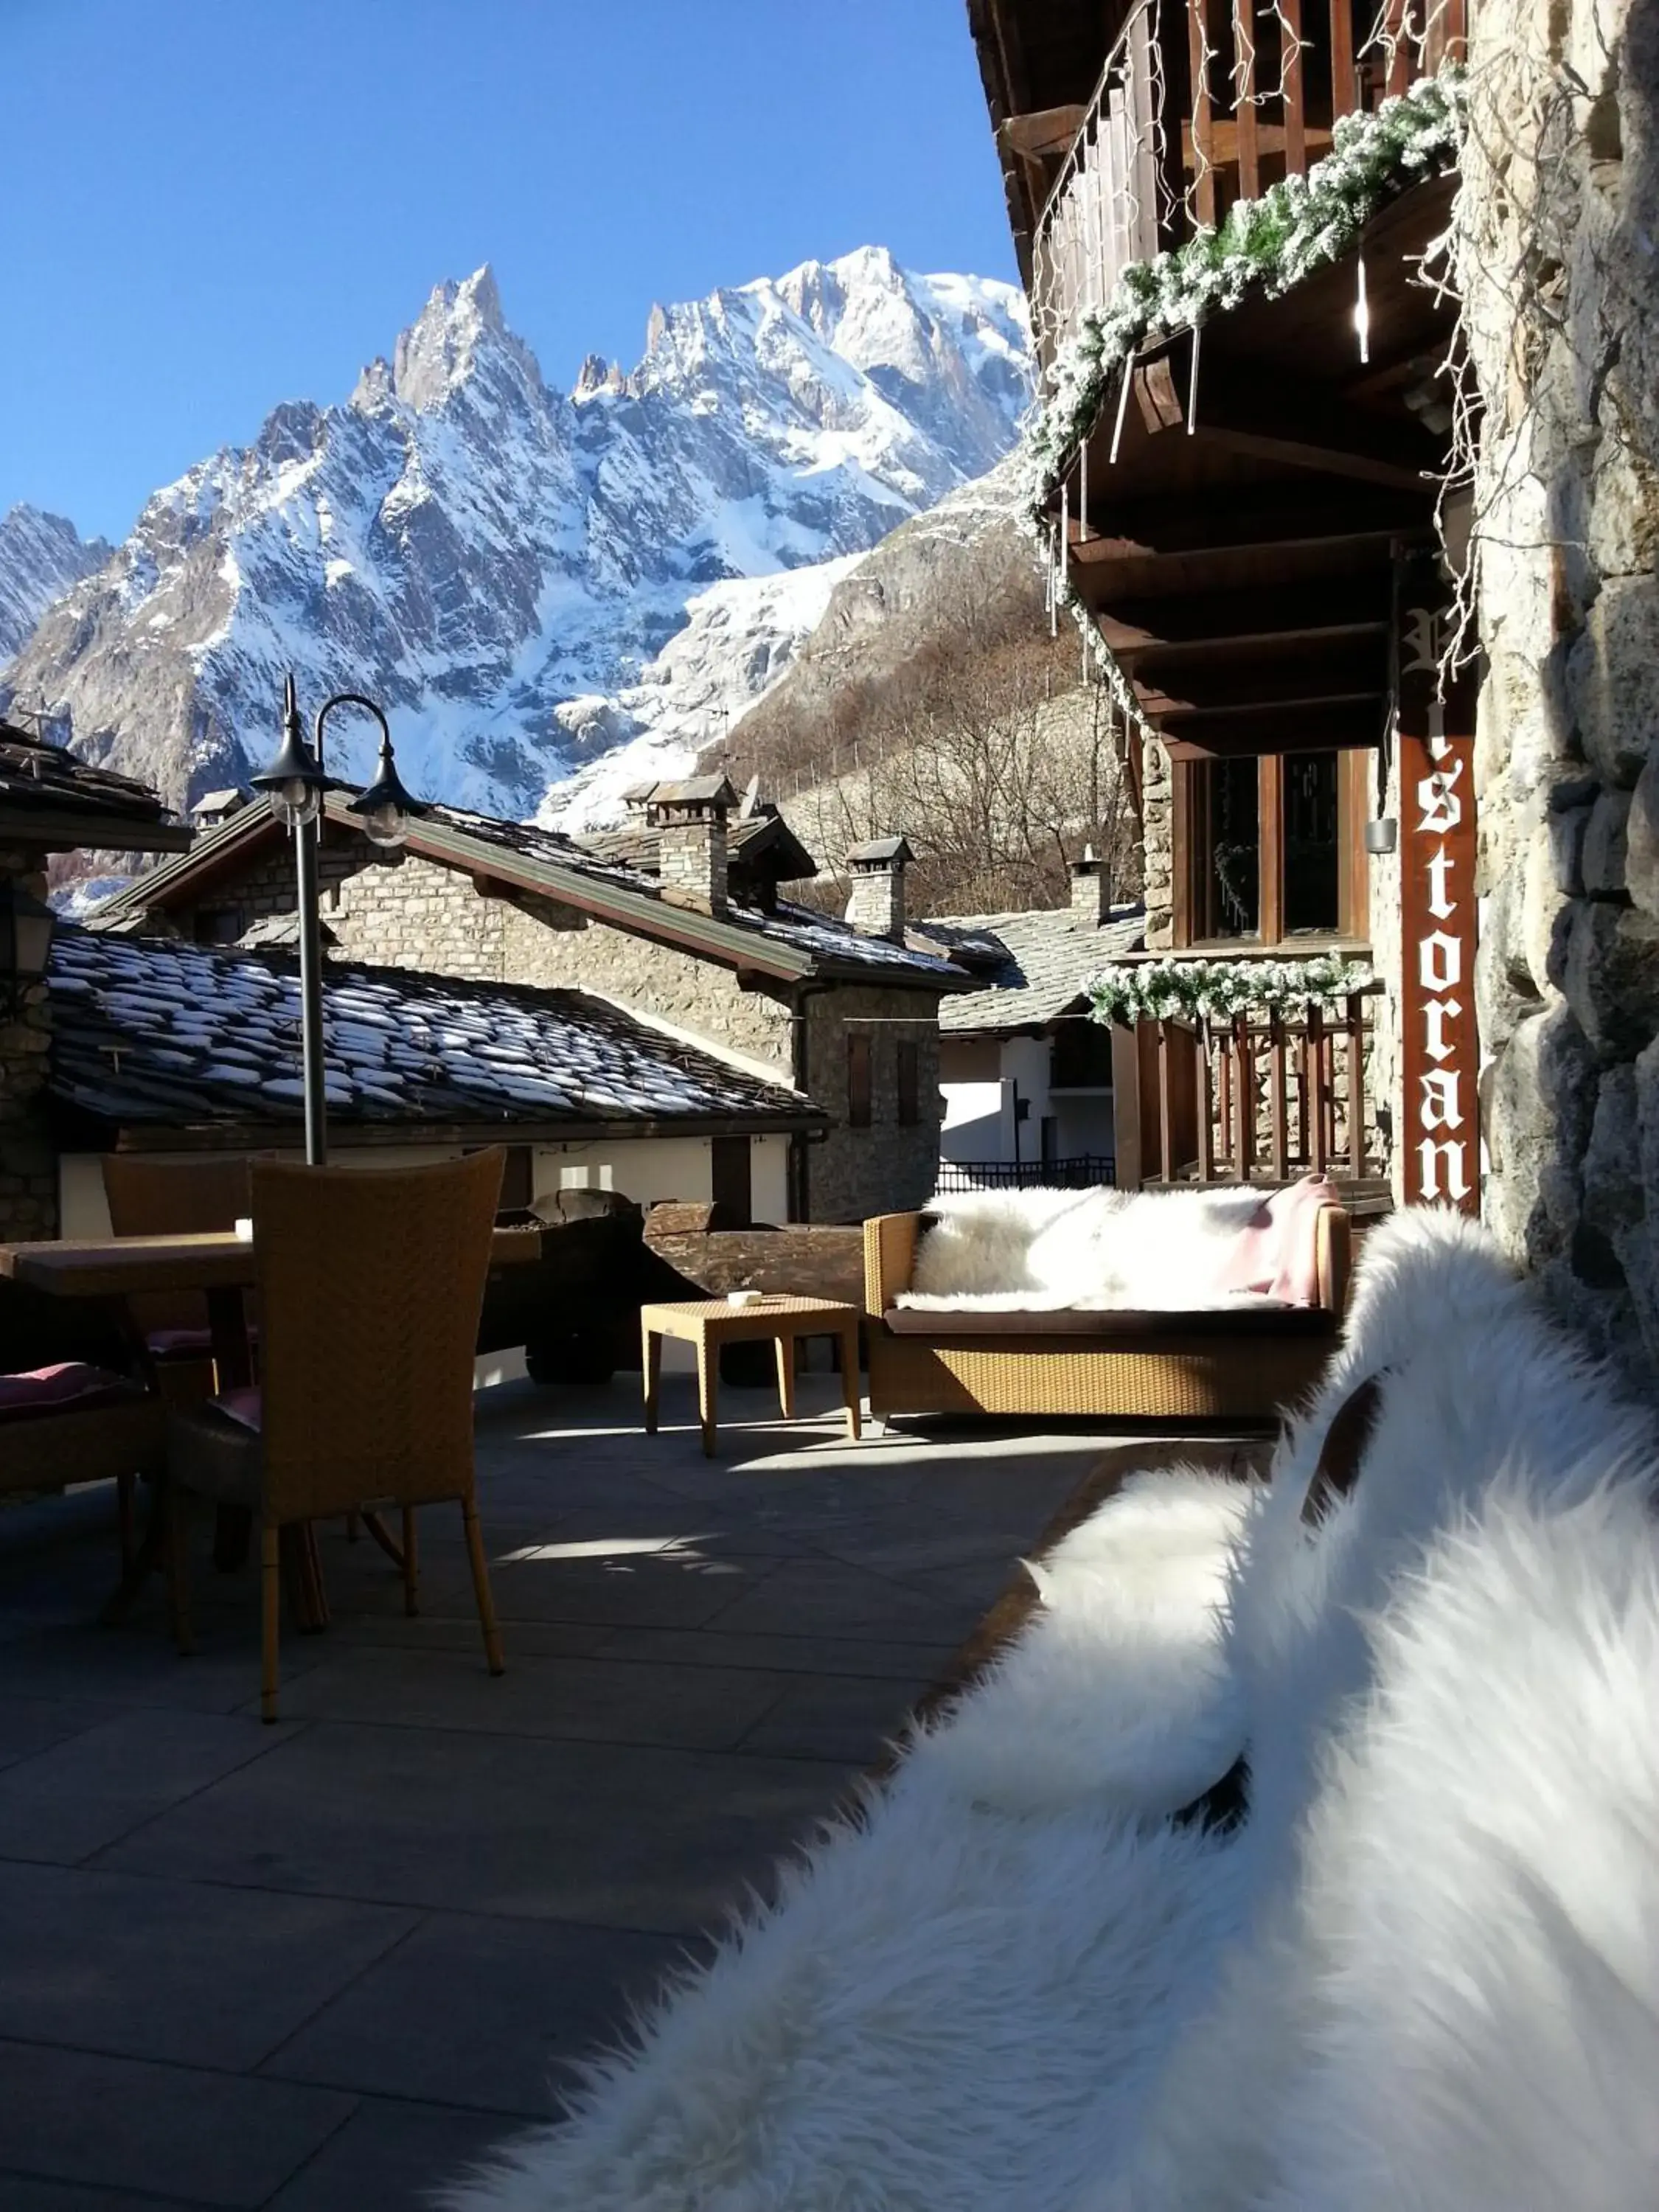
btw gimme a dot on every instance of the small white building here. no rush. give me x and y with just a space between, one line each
1026 1075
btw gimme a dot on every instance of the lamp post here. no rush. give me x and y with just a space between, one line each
296 781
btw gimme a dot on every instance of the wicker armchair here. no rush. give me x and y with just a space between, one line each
371 1282
162 1198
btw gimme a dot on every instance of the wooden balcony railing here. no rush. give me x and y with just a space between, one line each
1103 212
1263 1098
1204 102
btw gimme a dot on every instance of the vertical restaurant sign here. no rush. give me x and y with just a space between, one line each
1439 1043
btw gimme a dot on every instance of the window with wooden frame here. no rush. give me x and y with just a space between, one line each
1270 848
909 1074
858 1079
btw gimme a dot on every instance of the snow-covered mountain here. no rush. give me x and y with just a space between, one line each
41 556
524 578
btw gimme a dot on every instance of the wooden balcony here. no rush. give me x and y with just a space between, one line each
1262 1099
1197 106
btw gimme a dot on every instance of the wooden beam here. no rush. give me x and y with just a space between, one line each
1344 90
1199 53
1291 74
1049 131
1244 114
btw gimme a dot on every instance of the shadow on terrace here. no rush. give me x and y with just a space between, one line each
327 1962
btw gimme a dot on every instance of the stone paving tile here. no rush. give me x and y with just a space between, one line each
70 1801
391 2158
136 1665
647 1589
596 1701
28 1725
171 1970
607 1834
847 1718
213 2139
780 1653
482 2013
829 1598
21 2192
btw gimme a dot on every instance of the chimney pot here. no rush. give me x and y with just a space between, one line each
875 904
1092 889
689 819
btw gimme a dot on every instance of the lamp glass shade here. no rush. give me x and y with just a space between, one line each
26 928
384 825
296 802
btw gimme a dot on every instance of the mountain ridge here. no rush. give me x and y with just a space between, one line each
504 565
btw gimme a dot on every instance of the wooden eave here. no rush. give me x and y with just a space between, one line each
74 829
1238 554
344 1136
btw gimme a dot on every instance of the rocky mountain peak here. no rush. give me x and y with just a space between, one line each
440 349
595 376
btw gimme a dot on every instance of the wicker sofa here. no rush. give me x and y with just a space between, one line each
1247 1363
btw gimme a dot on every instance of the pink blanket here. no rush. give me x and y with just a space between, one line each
1278 1252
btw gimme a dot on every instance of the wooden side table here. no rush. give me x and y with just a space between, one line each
710 1322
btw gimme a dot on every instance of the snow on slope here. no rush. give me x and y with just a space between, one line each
525 578
41 556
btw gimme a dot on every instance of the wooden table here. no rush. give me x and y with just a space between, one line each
710 1322
222 1267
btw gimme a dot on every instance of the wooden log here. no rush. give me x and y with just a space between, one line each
1244 114
1290 73
1204 1132
1244 1095
1344 88
1198 35
1276 1098
1355 1028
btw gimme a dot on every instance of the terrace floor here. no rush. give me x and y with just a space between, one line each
327 1964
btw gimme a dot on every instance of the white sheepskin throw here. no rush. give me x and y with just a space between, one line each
1444 1993
953 2000
1422 1976
1043 1250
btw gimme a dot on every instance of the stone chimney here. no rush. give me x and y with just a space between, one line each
689 819
877 903
1092 889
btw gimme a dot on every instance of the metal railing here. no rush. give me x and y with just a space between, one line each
1080 1172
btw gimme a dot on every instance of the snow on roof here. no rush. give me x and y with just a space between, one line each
153 1030
1049 956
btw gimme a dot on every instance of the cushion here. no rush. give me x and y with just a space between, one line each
185 1343
68 1386
1258 1318
243 1406
1277 1252
1169 1249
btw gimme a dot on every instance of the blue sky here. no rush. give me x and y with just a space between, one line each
212 205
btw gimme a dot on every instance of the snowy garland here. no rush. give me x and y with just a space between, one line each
1216 990
1270 244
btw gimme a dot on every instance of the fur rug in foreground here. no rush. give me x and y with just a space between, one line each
1424 1974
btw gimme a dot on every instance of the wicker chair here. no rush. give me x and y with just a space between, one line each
70 1423
160 1198
370 1284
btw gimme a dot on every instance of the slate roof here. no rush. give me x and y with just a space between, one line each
751 840
803 943
1048 958
151 1030
49 790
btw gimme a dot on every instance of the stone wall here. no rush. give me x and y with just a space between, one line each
1558 219
886 1168
1157 860
29 1178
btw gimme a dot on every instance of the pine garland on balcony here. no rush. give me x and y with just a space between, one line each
1269 244
1216 990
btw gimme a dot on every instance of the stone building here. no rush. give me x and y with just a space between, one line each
50 802
1381 543
677 919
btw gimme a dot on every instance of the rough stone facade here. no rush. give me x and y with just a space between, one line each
1158 829
1558 215
887 1168
29 1176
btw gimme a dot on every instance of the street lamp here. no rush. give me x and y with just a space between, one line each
26 927
296 780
